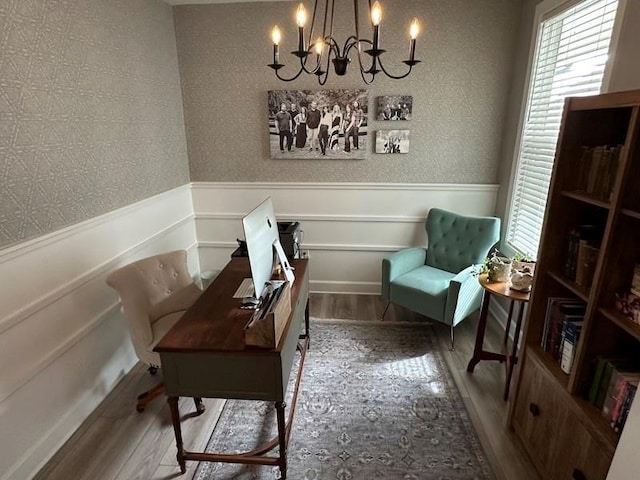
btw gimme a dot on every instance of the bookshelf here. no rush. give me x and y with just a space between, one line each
589 248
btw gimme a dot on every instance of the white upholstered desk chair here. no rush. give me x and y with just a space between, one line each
155 292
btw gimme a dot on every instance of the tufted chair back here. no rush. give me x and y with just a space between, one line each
153 289
457 241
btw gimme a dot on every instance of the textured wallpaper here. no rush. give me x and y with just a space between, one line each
91 112
459 92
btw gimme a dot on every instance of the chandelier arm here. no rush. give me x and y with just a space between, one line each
303 64
291 79
333 9
400 77
333 44
371 70
364 79
324 23
313 21
355 18
351 42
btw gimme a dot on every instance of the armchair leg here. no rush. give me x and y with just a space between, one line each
385 309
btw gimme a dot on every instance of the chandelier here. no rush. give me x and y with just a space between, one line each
315 57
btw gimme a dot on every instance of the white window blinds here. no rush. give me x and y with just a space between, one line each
571 53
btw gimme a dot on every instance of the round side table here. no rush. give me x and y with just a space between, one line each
500 289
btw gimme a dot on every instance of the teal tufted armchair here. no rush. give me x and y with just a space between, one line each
438 282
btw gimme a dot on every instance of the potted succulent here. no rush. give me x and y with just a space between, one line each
497 268
524 262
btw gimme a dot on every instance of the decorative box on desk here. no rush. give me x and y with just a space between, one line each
265 332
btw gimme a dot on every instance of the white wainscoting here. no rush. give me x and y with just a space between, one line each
348 227
63 342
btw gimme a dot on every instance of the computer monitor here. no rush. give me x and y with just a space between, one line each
261 234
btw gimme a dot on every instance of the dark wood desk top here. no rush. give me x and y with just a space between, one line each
215 323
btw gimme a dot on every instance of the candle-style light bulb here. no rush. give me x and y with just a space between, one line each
376 14
301 16
301 19
319 45
376 18
414 29
276 35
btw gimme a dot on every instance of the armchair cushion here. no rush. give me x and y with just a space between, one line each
423 290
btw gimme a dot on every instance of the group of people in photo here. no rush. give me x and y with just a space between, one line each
319 128
395 112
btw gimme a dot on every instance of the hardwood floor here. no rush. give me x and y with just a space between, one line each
117 443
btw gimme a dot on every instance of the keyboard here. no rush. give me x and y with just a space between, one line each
245 289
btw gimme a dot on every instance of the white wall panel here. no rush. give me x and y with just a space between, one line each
63 342
348 228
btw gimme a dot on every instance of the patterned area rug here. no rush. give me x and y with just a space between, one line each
376 402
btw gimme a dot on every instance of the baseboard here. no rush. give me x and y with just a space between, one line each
334 286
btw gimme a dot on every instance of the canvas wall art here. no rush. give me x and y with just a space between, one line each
318 124
398 107
392 141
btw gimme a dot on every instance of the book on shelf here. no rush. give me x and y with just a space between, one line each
594 168
586 263
575 257
557 309
597 379
607 372
597 169
571 328
571 256
616 390
626 406
626 381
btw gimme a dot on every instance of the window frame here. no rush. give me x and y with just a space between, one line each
543 11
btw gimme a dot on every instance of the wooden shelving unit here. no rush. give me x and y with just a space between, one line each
567 436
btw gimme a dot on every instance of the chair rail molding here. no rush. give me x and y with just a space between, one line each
62 336
347 227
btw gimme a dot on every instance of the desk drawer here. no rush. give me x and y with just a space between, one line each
223 375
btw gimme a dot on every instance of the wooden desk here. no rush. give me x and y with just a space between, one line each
204 355
501 289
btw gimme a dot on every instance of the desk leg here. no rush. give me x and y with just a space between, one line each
175 418
482 326
514 350
306 323
282 438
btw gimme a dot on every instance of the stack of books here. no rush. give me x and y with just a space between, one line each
613 388
562 327
582 253
597 169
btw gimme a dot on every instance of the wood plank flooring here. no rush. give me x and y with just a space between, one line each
117 443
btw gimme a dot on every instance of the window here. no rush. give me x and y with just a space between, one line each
569 60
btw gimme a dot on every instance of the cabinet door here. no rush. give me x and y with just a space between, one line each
558 443
538 408
579 456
